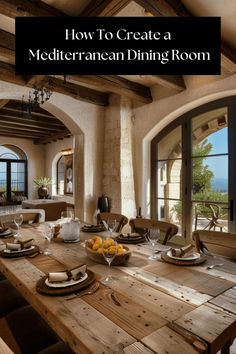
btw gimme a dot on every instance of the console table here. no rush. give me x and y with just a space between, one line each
53 208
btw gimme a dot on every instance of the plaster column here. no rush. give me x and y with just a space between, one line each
118 181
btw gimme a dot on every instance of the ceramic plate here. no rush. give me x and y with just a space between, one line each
64 284
93 228
5 233
19 251
72 241
190 257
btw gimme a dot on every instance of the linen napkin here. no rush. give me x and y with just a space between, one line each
20 244
72 274
180 252
131 235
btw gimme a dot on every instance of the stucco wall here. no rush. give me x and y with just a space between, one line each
86 122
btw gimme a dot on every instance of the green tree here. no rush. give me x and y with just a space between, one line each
202 176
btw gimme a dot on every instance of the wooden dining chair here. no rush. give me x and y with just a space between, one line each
121 219
209 212
217 238
10 298
30 216
141 226
31 333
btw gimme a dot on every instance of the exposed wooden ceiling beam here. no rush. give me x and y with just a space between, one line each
16 133
105 8
33 116
21 121
79 92
117 85
16 127
7 55
164 7
38 111
15 8
7 73
3 103
228 59
170 81
176 8
53 137
7 40
38 80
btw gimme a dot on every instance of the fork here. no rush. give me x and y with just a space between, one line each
94 287
214 265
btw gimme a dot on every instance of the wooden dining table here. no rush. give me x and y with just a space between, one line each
151 307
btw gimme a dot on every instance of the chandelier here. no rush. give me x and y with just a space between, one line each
39 96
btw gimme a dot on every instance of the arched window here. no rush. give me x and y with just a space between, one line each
193 169
13 172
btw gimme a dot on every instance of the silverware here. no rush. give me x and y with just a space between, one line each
93 288
214 265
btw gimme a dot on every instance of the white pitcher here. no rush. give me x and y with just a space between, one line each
70 231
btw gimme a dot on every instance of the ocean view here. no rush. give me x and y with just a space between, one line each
219 184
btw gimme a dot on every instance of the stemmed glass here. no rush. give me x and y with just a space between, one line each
18 220
109 251
111 226
48 235
67 215
153 236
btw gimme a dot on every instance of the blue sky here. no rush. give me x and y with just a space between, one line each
219 165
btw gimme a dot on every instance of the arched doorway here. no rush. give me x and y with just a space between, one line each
13 171
193 169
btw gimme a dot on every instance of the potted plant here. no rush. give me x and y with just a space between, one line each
42 183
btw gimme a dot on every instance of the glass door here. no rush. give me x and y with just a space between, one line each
210 165
194 169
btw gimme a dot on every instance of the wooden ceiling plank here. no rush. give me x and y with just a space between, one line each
15 127
7 40
30 123
228 59
165 8
37 80
22 134
227 64
3 103
34 116
38 111
117 85
7 55
104 8
15 8
171 81
176 8
33 127
52 137
7 73
23 115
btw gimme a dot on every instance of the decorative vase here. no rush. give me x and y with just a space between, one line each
104 204
43 192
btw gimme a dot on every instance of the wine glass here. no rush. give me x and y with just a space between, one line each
109 251
18 220
153 236
111 226
67 215
48 235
